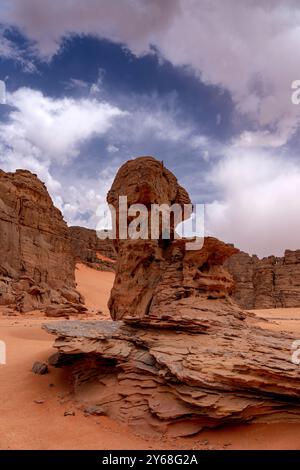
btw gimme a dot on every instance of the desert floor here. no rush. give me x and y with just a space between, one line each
32 407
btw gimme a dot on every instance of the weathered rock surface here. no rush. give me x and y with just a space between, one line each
176 382
167 286
271 282
181 354
36 260
146 181
89 249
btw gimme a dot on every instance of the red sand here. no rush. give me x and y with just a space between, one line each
95 286
25 424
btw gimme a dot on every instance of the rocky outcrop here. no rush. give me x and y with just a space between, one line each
180 355
158 280
170 381
89 249
271 282
36 260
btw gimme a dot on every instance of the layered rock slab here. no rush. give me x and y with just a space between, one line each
36 260
175 382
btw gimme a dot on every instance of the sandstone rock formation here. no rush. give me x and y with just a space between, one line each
36 261
153 272
270 282
181 354
89 249
176 382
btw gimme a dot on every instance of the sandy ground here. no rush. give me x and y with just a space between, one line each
32 407
283 319
95 286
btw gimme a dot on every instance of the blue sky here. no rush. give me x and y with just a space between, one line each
92 85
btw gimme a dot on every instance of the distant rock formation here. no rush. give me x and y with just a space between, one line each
89 249
182 355
36 260
271 282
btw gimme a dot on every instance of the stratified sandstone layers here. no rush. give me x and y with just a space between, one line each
89 249
181 354
174 382
271 282
36 260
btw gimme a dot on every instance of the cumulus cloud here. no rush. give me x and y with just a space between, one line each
42 132
83 201
259 205
134 22
54 128
45 135
252 53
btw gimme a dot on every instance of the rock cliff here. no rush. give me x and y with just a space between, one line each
89 249
271 282
36 260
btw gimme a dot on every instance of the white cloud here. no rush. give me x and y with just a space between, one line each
76 84
44 135
252 53
111 148
9 50
43 132
156 119
260 139
85 199
259 205
54 129
48 21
